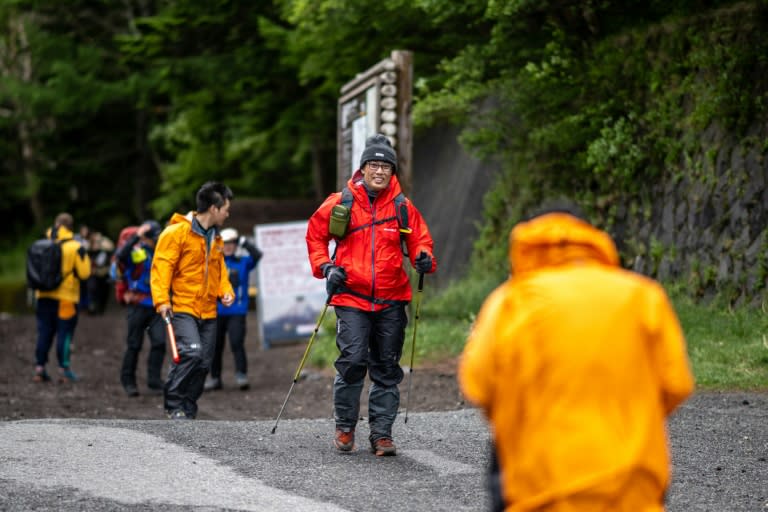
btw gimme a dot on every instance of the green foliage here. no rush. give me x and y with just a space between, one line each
728 347
596 100
601 119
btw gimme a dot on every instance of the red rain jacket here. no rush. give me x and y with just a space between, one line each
370 252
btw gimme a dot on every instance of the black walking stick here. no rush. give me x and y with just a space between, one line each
413 344
303 360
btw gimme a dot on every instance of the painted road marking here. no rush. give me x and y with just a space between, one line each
51 455
440 464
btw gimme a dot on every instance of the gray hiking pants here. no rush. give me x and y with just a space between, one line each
369 342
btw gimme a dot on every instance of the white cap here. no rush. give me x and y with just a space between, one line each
229 235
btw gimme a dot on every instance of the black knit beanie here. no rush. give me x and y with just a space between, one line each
378 148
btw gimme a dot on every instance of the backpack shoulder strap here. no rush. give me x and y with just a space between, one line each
401 210
346 197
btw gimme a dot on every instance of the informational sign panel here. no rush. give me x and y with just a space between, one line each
377 100
290 299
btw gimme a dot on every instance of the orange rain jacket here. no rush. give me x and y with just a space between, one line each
576 363
370 255
182 264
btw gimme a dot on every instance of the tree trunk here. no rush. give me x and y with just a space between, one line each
19 52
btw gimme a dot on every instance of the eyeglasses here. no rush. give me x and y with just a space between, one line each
375 166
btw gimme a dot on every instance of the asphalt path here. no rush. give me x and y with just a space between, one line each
719 442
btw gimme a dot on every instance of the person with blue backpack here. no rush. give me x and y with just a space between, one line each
135 261
232 319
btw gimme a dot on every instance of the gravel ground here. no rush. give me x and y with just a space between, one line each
718 440
720 453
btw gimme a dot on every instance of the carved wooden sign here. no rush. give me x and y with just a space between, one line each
378 100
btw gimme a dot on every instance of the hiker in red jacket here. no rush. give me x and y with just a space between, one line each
369 288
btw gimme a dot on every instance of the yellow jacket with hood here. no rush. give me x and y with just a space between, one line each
577 363
75 266
188 268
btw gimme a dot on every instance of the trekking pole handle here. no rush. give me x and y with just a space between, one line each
171 337
421 281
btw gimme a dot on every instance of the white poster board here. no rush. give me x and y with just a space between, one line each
290 298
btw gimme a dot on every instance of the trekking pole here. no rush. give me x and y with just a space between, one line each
303 360
171 337
413 343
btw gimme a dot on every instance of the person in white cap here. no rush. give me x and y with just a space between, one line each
232 319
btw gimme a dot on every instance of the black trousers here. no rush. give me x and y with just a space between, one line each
143 319
234 326
196 341
369 342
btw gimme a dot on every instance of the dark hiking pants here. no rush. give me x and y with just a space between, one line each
141 319
195 339
234 326
50 326
369 342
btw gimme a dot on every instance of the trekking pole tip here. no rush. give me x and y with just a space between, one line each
274 429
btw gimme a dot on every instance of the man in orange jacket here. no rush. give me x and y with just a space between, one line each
188 276
369 289
576 363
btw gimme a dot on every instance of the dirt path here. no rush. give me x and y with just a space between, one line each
99 344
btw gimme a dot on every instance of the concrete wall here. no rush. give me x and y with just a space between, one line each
448 189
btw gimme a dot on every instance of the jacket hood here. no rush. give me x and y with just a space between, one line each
195 227
556 239
177 218
62 233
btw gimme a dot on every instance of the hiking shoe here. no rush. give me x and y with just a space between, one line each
154 390
41 376
177 415
131 390
67 375
344 440
242 381
383 447
212 383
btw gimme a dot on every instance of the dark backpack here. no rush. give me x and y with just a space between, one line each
117 269
44 270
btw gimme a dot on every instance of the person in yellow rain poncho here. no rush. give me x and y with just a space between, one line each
576 363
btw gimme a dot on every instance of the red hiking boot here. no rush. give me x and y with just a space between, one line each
344 440
383 447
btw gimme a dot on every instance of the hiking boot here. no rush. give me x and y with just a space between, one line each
67 375
131 390
155 390
344 439
177 415
242 381
383 447
41 375
212 383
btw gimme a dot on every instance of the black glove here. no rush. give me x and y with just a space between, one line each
255 253
423 263
335 277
